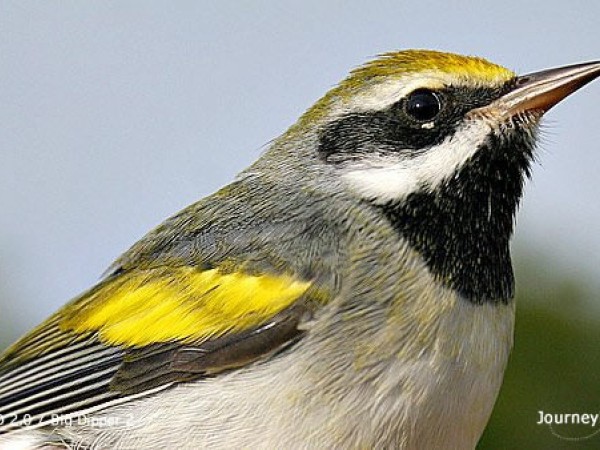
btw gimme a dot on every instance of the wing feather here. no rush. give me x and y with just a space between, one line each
139 332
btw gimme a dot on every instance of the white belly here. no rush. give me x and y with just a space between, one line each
358 391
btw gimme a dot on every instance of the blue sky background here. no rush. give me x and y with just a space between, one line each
116 114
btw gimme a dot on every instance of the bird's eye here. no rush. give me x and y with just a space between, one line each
423 105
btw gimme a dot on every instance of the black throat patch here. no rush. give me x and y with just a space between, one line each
463 228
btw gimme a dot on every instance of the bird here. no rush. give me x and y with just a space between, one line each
352 288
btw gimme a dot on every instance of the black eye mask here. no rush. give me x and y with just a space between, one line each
399 127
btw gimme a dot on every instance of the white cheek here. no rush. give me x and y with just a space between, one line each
387 178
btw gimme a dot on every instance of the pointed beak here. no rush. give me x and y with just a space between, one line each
540 91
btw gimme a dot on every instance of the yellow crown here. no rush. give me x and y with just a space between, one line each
397 64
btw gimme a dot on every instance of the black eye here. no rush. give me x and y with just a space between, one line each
423 105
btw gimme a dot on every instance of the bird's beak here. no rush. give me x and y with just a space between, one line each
540 91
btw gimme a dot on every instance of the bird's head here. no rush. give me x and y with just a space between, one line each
440 144
409 121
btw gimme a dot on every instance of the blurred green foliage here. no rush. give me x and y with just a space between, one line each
554 367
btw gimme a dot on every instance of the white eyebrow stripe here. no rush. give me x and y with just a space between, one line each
384 94
381 94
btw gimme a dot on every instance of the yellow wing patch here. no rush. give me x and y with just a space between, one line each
183 304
